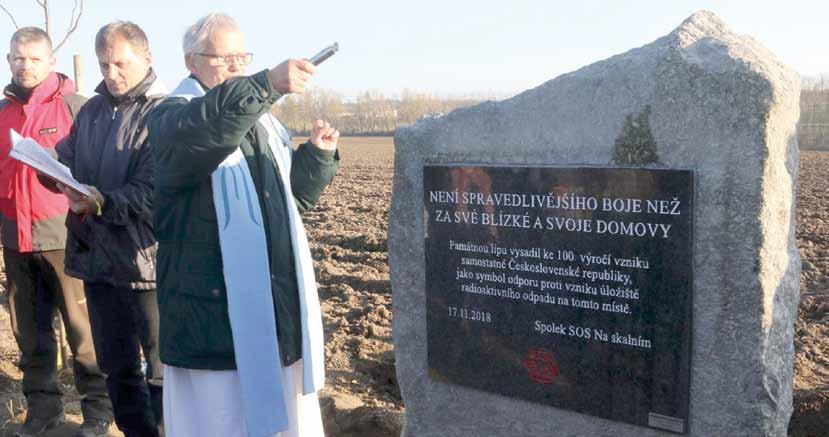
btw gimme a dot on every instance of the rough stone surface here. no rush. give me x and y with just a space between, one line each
720 104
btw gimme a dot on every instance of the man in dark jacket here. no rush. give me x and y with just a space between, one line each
237 296
40 104
111 245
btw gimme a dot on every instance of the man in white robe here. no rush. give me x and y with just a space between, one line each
241 330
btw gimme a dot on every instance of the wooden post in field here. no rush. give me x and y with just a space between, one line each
76 59
63 346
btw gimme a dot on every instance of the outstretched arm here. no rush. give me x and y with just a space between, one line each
192 138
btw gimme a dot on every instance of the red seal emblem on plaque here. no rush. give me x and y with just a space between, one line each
541 366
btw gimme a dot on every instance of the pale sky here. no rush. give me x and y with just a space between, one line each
479 48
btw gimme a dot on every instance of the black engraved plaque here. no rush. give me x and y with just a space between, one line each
569 287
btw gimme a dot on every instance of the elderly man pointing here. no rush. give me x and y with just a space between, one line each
241 331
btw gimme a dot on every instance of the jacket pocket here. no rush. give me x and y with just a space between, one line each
191 269
195 328
79 232
203 259
208 287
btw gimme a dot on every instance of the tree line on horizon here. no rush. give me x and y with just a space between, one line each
813 129
370 113
373 113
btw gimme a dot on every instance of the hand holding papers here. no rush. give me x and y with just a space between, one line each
29 152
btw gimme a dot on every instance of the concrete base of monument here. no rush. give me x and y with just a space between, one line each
701 100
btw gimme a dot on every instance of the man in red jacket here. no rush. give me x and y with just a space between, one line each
41 104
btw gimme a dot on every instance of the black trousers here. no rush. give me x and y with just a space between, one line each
125 322
37 286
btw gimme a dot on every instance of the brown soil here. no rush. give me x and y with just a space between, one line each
348 241
347 230
811 365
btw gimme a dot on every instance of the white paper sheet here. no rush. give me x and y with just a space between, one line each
29 152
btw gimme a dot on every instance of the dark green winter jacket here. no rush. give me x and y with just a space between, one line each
190 139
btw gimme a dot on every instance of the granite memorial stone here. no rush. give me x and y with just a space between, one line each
701 117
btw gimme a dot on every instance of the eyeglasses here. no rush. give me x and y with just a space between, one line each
220 60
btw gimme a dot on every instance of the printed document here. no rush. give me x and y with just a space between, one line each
29 152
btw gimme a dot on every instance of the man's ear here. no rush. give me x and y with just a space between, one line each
189 62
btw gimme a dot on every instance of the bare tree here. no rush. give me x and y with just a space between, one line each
813 129
74 19
14 22
369 113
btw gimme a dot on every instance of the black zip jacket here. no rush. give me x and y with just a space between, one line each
107 148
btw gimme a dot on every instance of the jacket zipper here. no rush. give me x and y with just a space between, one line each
93 271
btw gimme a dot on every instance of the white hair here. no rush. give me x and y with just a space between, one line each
200 31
